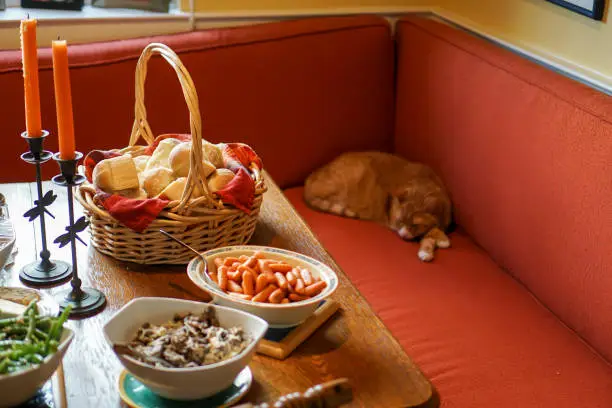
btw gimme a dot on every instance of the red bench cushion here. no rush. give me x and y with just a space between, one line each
300 92
527 156
477 334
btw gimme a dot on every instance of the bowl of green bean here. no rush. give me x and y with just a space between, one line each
32 345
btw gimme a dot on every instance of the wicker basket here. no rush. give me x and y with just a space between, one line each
203 223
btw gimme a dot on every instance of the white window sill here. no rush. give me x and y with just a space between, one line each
13 15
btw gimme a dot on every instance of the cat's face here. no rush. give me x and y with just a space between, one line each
408 223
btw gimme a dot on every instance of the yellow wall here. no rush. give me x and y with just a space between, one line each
543 28
91 31
287 5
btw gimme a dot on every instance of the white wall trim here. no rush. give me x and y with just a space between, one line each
315 12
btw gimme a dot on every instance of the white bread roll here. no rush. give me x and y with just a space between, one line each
207 169
159 158
174 191
116 174
179 161
213 154
219 179
141 162
154 181
139 194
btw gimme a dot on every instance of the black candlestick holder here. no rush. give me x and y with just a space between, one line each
84 301
46 272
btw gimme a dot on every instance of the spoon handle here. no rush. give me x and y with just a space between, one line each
175 239
172 237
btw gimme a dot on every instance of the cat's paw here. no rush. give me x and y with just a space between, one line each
350 213
337 209
443 243
321 204
426 256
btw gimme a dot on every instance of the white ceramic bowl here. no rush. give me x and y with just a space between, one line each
277 315
181 383
17 388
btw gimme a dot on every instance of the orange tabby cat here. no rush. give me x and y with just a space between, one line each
407 197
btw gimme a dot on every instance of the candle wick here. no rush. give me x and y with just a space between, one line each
28 16
58 38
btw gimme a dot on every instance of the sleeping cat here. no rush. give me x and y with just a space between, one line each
405 196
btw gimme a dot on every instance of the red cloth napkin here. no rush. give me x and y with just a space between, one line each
138 214
133 213
240 154
240 192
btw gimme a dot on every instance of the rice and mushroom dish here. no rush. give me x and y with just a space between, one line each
188 340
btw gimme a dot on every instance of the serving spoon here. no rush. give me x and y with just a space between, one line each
204 262
175 239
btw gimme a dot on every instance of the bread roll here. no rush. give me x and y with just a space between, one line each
207 169
141 162
179 161
213 154
174 191
219 179
116 174
138 194
154 181
159 158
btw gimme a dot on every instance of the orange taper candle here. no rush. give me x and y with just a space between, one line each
63 99
29 55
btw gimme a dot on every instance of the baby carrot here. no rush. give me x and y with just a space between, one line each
234 287
292 276
277 296
315 288
297 298
264 294
248 283
261 283
306 276
229 261
222 277
299 287
279 267
281 280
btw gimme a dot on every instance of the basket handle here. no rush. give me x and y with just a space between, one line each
141 126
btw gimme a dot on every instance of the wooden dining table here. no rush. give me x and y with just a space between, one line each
352 344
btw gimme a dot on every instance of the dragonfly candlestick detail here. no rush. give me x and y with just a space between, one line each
45 272
84 301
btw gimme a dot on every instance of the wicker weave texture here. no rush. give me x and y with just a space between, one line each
203 222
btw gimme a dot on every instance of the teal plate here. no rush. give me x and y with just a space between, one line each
136 395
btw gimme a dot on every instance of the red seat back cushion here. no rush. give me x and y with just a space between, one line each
300 92
527 156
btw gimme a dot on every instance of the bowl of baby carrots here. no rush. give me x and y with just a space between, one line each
282 287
